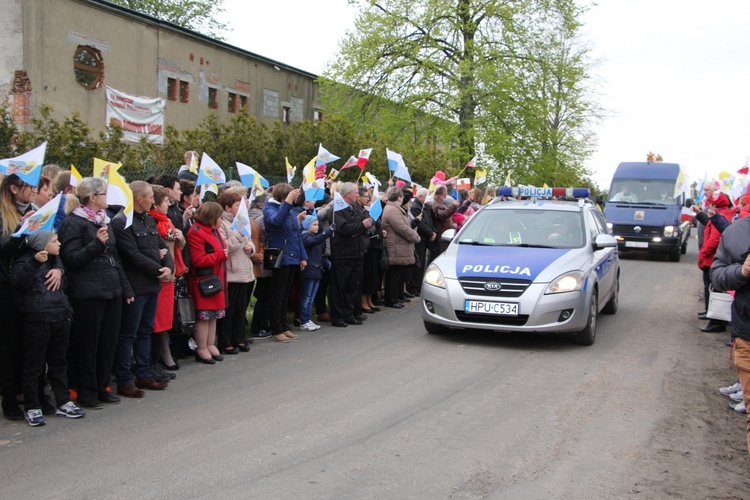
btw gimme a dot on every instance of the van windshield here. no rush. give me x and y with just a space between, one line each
650 191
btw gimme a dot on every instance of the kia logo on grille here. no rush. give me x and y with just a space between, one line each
492 286
637 229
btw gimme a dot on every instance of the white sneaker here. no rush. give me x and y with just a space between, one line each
310 327
35 417
70 410
726 391
739 407
737 396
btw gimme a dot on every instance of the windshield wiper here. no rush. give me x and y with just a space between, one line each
476 243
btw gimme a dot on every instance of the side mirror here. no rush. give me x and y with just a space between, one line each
448 235
605 241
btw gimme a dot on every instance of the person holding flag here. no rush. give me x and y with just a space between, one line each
189 171
230 329
400 241
98 289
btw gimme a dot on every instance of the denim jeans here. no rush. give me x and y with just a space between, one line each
136 328
308 289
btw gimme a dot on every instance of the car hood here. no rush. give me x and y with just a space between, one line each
534 264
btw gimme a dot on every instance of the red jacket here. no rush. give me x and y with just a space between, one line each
206 253
711 237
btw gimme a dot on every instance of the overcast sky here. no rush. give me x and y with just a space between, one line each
672 74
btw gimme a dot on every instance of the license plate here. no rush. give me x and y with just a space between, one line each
484 307
636 244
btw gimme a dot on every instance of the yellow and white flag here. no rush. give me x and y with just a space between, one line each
75 176
119 193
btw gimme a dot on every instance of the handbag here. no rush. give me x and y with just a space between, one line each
719 305
383 263
186 311
272 258
209 286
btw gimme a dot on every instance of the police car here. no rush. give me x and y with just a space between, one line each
536 265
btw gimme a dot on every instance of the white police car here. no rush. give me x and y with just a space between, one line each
526 266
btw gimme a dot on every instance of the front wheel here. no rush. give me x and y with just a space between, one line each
587 336
675 256
434 329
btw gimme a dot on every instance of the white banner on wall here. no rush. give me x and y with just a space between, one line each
137 115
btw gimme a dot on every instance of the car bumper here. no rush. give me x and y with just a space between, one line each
537 312
666 245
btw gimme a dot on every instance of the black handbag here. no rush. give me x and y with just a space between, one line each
383 262
210 286
186 310
272 258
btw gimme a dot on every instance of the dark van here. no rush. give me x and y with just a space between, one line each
644 210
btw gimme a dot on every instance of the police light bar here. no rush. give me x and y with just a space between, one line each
537 192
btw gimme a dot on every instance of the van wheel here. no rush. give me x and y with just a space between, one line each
434 329
675 256
587 336
683 248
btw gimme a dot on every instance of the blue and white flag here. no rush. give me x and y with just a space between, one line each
249 177
241 222
394 159
376 208
402 173
43 219
324 156
338 202
210 172
28 166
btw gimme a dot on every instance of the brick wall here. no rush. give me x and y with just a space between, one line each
20 93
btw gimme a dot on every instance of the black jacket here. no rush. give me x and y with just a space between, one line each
726 273
94 270
425 228
9 247
139 246
27 276
347 241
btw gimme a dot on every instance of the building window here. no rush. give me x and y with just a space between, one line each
298 109
286 115
270 103
318 115
88 67
232 102
213 98
243 101
184 91
171 89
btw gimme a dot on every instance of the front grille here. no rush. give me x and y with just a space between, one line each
490 319
509 287
621 229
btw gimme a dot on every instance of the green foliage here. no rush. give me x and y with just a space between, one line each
7 132
195 15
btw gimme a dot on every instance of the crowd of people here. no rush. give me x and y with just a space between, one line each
103 298
724 243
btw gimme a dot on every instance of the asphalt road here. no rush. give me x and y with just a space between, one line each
383 410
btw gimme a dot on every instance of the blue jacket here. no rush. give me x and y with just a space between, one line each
314 244
282 231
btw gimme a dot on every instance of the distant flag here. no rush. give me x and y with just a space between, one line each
41 220
363 157
119 193
249 177
431 190
351 162
208 188
333 174
324 156
338 202
210 172
75 176
376 208
744 170
308 172
102 168
241 222
28 166
507 179
372 179
480 176
290 170
193 167
394 159
472 163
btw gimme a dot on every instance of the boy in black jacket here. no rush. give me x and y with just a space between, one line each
47 316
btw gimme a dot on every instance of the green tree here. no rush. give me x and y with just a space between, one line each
196 15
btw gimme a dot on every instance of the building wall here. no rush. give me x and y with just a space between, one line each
140 55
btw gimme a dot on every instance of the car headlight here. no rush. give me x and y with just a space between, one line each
433 276
670 231
610 226
567 282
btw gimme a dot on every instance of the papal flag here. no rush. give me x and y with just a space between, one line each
210 172
376 207
28 166
290 170
75 176
119 193
41 220
338 202
252 179
480 176
507 179
241 222
324 156
102 168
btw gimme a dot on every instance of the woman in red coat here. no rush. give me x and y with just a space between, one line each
208 253
711 237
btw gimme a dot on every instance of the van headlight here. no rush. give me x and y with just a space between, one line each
670 231
568 282
433 276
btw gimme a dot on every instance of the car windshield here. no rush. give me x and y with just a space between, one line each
532 228
643 191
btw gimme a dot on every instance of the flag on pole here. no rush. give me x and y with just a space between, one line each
308 174
324 156
372 180
28 166
402 172
210 172
745 169
394 159
41 220
351 162
480 176
241 222
333 174
102 168
75 176
119 193
338 202
290 170
193 167
363 157
472 163
376 207
507 179
249 177
315 193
